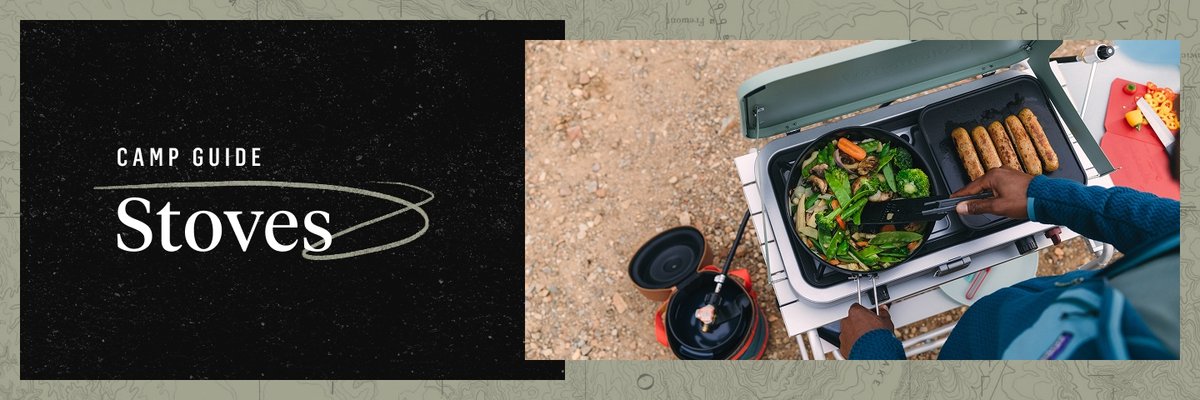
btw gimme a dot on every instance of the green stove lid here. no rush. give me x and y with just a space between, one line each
792 96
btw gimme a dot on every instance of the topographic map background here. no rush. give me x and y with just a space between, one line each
712 19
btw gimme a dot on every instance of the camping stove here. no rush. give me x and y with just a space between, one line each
810 296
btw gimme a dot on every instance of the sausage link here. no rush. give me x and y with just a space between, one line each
987 152
966 151
1004 149
1024 147
1040 141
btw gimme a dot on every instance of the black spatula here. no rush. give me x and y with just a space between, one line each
903 211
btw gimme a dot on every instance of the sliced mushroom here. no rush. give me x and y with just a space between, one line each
819 169
818 183
867 165
858 183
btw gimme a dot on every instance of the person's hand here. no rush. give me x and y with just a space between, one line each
1008 194
859 321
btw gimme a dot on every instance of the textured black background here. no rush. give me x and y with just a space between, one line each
434 104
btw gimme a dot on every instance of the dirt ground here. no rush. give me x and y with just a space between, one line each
625 139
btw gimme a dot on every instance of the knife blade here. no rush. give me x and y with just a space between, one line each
1156 124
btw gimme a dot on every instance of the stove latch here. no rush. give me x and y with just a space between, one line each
952 266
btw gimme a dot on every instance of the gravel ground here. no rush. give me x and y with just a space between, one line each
625 139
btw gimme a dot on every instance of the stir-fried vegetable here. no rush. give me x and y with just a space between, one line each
913 182
823 157
837 182
885 238
901 159
891 177
851 149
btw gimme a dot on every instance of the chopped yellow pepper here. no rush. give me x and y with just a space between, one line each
1135 119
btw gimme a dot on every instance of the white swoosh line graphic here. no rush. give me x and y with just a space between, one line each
408 205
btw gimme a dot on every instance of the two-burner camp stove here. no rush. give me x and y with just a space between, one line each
787 98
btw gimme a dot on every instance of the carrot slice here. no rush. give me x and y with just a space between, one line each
851 149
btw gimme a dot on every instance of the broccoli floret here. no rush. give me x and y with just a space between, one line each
902 159
912 183
825 222
879 181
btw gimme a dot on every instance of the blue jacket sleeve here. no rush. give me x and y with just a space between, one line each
1120 216
878 344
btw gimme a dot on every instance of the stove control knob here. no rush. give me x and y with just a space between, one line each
1026 245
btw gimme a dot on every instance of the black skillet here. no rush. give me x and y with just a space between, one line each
855 134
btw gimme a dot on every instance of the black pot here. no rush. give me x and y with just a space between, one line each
854 133
740 331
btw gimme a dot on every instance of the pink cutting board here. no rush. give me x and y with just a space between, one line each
1142 162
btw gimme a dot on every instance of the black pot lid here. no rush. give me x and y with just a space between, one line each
668 258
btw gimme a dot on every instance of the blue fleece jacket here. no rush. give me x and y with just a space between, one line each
1140 225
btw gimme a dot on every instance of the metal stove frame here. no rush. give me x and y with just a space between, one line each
912 286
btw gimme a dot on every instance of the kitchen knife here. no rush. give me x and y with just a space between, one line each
903 211
1160 128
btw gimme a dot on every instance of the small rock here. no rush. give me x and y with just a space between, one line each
596 167
584 78
601 193
673 180
575 144
577 92
564 191
1058 252
546 352
685 218
772 318
585 114
591 186
637 53
591 73
585 350
574 133
618 303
